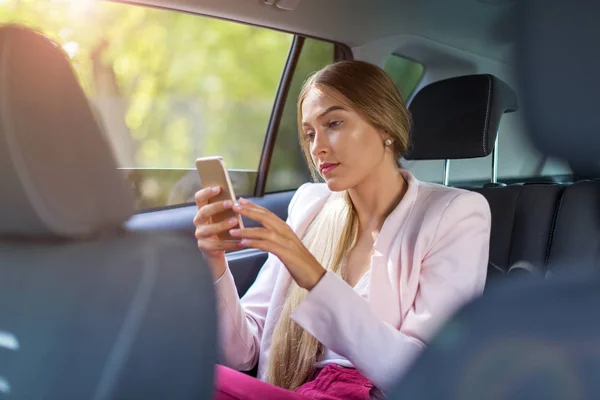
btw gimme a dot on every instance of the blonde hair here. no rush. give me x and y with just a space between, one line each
368 90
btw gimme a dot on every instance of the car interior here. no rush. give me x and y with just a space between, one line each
105 105
87 307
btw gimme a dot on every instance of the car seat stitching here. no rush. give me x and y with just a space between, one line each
497 267
487 114
512 234
552 230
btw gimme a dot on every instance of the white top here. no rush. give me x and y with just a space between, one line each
330 356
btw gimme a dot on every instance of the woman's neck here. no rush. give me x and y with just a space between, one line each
377 196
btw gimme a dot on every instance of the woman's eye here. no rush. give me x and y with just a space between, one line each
310 136
334 124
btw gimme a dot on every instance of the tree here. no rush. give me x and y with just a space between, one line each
169 86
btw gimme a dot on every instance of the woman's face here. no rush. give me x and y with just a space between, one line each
345 148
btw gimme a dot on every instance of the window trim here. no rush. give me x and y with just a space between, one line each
141 3
276 115
341 52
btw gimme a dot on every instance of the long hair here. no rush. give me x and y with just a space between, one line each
368 90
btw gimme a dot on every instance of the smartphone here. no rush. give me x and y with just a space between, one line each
212 172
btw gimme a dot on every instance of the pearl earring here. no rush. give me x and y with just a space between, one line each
388 142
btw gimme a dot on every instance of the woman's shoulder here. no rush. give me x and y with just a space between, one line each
306 196
312 189
440 210
438 199
447 194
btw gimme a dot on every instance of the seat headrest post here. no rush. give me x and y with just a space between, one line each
446 173
495 155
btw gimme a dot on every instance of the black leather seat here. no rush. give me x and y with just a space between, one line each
576 235
458 118
534 226
87 310
544 228
523 219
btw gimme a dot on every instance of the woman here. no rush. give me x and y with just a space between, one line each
368 266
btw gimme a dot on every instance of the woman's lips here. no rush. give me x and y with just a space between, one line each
328 167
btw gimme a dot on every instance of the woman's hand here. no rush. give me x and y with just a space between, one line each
276 237
209 243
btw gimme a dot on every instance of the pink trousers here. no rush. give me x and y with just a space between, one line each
331 383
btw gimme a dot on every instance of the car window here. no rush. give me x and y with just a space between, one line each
168 87
405 73
288 169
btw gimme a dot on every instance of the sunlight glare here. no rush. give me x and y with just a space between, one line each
77 7
8 341
4 386
82 6
64 33
71 48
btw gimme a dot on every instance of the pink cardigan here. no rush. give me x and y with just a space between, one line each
430 257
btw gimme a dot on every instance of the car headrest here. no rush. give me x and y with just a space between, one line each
58 175
557 68
458 117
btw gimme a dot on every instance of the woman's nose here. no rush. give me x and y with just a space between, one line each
320 143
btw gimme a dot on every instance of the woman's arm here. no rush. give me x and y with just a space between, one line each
241 322
452 272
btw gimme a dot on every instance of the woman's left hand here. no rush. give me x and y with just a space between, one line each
276 237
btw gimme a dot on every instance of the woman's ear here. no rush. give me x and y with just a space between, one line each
384 134
386 138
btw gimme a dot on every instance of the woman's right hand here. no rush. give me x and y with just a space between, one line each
209 243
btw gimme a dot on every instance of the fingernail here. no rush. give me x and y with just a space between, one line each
237 207
227 203
244 201
234 231
245 242
233 220
216 189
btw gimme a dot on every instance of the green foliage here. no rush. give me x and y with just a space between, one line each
288 166
405 73
188 85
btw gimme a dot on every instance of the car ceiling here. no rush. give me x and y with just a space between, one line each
477 26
